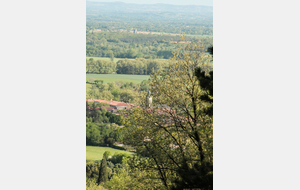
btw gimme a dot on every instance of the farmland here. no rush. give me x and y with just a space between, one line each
103 58
108 59
96 153
118 77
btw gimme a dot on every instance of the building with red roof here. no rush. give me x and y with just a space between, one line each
114 104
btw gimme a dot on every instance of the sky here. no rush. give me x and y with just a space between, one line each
173 2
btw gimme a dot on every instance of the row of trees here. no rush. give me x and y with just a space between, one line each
140 66
100 66
125 66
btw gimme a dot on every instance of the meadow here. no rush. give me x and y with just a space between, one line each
96 153
118 77
104 58
115 59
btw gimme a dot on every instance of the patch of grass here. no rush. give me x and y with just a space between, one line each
118 77
104 58
96 153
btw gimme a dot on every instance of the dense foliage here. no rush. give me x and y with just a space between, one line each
126 66
140 45
119 90
103 175
174 135
127 45
100 66
102 127
98 172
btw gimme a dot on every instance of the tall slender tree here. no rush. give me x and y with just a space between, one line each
103 175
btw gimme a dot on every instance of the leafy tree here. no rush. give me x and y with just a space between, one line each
130 179
106 95
176 133
92 134
127 95
206 82
112 86
111 56
119 158
109 141
107 154
116 94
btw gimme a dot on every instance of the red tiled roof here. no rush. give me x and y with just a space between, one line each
107 108
112 102
122 104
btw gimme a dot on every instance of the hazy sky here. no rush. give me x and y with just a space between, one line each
173 2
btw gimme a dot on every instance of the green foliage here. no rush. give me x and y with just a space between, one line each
92 134
144 86
101 134
206 83
116 45
92 185
103 174
116 94
127 95
92 171
140 66
198 176
107 154
176 132
130 178
126 66
100 66
102 115
110 164
173 139
120 158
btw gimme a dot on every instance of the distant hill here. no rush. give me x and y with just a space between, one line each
189 19
130 7
119 10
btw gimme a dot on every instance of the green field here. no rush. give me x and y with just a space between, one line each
104 58
118 77
115 59
96 153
